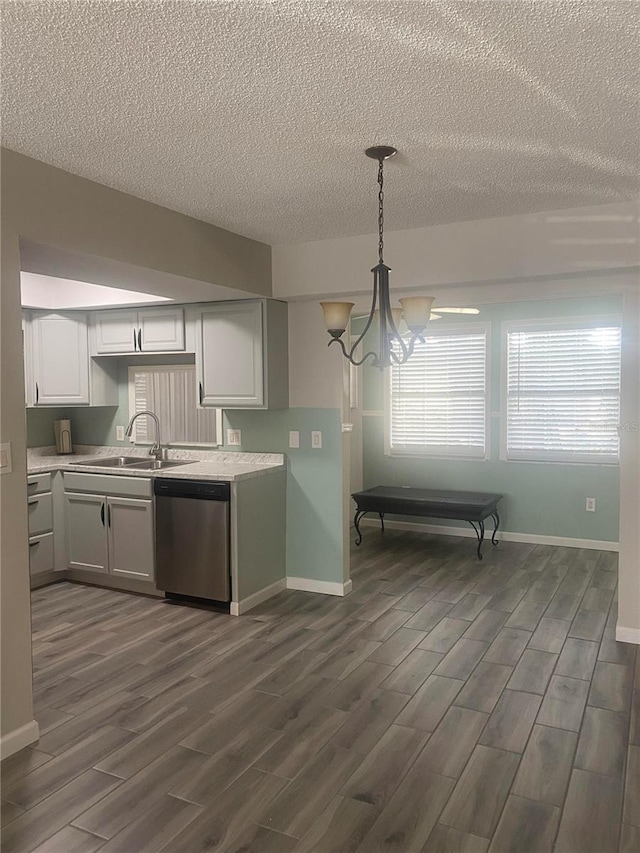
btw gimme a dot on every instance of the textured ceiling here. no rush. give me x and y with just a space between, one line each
253 115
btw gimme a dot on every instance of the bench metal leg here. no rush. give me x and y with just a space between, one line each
356 524
496 518
479 530
381 514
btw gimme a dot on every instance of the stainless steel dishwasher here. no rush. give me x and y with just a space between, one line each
192 539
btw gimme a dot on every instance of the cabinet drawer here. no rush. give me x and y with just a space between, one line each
37 483
107 484
41 554
40 514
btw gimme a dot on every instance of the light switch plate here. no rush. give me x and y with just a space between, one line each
294 438
5 458
316 439
119 433
590 505
234 437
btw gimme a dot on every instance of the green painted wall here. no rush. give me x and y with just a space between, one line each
540 498
314 483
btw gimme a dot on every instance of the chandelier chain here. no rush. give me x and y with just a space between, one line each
380 212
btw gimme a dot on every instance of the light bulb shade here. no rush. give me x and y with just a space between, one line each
336 316
416 311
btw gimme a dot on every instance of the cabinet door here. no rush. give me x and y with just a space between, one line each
230 357
60 359
131 551
161 329
86 532
115 331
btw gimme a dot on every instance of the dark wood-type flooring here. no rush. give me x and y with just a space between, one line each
445 705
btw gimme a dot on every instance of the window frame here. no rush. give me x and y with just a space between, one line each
448 329
157 368
546 324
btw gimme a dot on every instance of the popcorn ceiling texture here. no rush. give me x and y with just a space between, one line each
254 115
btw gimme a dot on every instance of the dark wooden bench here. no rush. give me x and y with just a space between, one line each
472 507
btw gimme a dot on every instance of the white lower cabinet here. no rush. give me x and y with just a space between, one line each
110 535
87 546
130 525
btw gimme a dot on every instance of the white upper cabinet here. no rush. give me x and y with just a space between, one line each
231 368
115 331
60 359
161 330
241 354
58 369
147 330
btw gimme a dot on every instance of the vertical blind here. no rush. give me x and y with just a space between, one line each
170 392
563 394
438 400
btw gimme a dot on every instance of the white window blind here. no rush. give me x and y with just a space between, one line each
438 402
170 392
563 394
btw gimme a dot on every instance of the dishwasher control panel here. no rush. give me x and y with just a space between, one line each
199 489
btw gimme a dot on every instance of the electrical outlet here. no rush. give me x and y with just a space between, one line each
316 439
590 505
234 437
119 433
294 438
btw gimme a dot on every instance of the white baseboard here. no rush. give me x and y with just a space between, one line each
19 738
239 607
628 635
325 587
527 538
302 584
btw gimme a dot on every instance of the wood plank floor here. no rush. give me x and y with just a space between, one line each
445 705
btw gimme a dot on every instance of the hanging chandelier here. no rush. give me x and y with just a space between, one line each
415 312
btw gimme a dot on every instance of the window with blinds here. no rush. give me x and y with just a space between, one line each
170 392
563 394
438 398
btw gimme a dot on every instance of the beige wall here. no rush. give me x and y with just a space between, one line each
53 207
315 370
629 558
14 570
513 248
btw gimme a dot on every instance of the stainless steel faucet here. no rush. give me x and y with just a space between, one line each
156 449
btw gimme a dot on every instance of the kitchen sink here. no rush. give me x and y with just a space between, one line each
132 462
157 464
112 461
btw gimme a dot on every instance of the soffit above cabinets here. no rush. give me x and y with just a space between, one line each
43 291
255 115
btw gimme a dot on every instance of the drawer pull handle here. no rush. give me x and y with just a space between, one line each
135 349
109 516
140 339
33 544
102 514
37 394
200 391
33 501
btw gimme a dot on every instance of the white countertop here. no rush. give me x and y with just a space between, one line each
198 464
